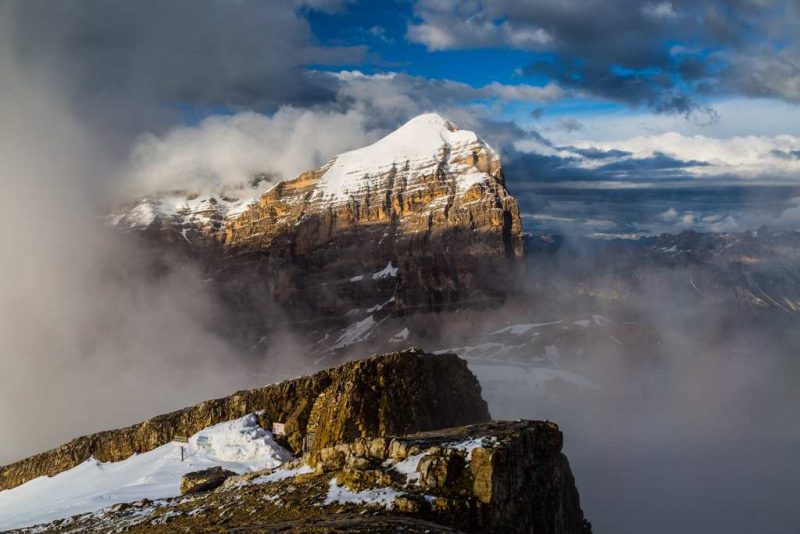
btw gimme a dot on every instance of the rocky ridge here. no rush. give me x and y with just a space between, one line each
490 477
388 394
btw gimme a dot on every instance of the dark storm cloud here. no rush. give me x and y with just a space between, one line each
569 166
658 162
659 54
596 153
128 64
567 124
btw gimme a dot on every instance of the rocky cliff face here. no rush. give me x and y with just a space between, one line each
388 394
422 216
490 477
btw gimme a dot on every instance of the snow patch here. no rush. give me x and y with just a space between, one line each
282 474
469 446
408 467
240 446
355 333
379 496
240 441
401 336
386 272
415 149
521 329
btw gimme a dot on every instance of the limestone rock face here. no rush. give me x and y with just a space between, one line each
388 394
205 480
428 202
498 477
492 477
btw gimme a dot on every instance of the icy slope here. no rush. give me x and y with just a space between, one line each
418 145
413 151
240 445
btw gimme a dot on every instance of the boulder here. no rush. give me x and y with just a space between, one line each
205 480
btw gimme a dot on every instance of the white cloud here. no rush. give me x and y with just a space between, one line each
737 117
448 24
229 150
674 220
389 83
748 157
661 10
525 93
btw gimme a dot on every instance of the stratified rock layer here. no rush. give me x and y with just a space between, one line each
382 395
492 477
429 201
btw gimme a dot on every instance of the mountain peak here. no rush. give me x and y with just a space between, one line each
415 148
430 120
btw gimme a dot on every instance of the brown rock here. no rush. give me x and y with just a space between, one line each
364 398
205 480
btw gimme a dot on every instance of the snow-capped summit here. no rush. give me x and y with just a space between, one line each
416 147
424 169
428 199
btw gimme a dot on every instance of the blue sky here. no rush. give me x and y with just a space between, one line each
381 26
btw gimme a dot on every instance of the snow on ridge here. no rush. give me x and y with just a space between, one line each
390 271
240 445
420 142
415 149
185 208
383 497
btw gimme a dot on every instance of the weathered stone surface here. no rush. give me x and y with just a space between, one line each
498 477
387 394
205 480
445 222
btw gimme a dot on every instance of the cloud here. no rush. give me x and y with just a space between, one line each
765 73
567 124
675 220
231 150
665 56
523 92
657 160
362 86
130 67
748 158
661 10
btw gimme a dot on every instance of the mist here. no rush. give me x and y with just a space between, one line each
96 331
689 424
230 150
688 421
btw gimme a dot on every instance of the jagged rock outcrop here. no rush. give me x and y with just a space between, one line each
205 480
492 477
387 394
428 202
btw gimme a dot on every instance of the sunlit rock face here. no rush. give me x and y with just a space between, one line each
422 217
395 393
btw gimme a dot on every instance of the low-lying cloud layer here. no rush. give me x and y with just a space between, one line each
658 160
